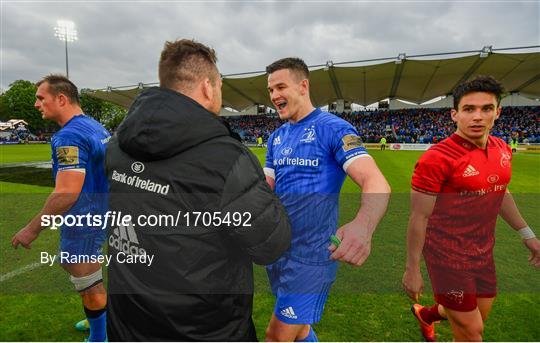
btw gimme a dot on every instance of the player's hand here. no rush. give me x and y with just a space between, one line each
355 244
24 237
413 284
534 247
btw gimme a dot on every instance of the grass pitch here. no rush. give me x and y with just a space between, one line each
366 303
24 153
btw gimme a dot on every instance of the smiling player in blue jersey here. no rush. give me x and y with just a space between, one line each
307 162
78 155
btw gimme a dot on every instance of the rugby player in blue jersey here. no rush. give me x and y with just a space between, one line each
78 155
307 162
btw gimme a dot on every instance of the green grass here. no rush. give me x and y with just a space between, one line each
366 304
24 153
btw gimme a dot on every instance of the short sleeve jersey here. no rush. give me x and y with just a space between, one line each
470 184
308 160
80 146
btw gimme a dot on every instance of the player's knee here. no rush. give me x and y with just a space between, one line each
473 336
273 334
94 301
472 331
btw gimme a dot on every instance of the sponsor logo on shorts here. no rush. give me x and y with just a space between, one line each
289 313
455 297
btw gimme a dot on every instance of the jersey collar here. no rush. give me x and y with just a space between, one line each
312 115
72 118
468 145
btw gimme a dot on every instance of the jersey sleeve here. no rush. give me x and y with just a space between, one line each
70 153
269 164
430 173
347 145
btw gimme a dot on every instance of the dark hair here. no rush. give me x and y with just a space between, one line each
184 62
294 64
61 84
481 83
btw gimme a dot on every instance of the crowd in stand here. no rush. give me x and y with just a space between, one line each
252 127
15 136
406 126
397 126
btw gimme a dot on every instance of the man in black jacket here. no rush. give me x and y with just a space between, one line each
193 211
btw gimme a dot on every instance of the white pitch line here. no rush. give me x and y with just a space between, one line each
22 270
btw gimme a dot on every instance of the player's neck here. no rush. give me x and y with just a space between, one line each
479 142
303 112
68 115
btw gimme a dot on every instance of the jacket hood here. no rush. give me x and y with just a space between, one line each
162 123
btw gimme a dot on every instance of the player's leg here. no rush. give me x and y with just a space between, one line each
295 313
454 290
486 284
88 281
87 278
466 326
484 306
279 331
461 307
467 310
427 316
301 292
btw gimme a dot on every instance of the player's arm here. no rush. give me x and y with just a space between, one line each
422 205
510 213
68 187
356 235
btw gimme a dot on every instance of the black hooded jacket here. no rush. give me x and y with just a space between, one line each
173 158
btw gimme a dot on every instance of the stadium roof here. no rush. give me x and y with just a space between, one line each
416 79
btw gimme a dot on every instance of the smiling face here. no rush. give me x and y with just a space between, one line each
289 93
475 116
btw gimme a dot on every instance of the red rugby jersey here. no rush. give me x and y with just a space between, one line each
470 184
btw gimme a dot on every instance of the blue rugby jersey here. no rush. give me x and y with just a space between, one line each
308 160
80 145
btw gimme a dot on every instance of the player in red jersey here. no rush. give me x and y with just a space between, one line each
459 186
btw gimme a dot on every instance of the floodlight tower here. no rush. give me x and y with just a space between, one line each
65 31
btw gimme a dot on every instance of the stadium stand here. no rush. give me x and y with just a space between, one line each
17 131
416 79
406 125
